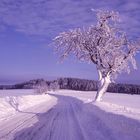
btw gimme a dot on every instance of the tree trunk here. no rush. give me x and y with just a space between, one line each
102 86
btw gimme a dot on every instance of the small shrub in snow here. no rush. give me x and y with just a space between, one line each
41 88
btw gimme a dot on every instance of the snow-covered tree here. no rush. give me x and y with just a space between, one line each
41 87
104 45
54 85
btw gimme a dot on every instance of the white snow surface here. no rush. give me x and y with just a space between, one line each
12 101
68 115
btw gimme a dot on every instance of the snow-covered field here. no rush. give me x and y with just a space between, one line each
68 115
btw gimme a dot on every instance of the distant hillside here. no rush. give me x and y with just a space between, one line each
77 84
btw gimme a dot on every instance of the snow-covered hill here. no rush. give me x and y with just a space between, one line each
68 115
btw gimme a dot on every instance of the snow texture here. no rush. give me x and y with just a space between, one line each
70 115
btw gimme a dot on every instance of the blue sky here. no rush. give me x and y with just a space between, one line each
28 27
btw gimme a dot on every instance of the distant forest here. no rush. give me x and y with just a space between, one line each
76 84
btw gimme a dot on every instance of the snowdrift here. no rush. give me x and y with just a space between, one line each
12 101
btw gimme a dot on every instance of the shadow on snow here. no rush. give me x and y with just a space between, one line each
71 119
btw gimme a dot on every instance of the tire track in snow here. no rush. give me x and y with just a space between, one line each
23 119
39 127
58 123
17 126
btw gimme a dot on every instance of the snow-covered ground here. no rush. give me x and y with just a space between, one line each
126 104
68 115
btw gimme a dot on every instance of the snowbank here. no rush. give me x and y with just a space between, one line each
12 101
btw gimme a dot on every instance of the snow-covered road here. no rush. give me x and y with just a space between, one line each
68 118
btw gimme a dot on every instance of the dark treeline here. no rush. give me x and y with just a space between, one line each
77 84
32 84
91 85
